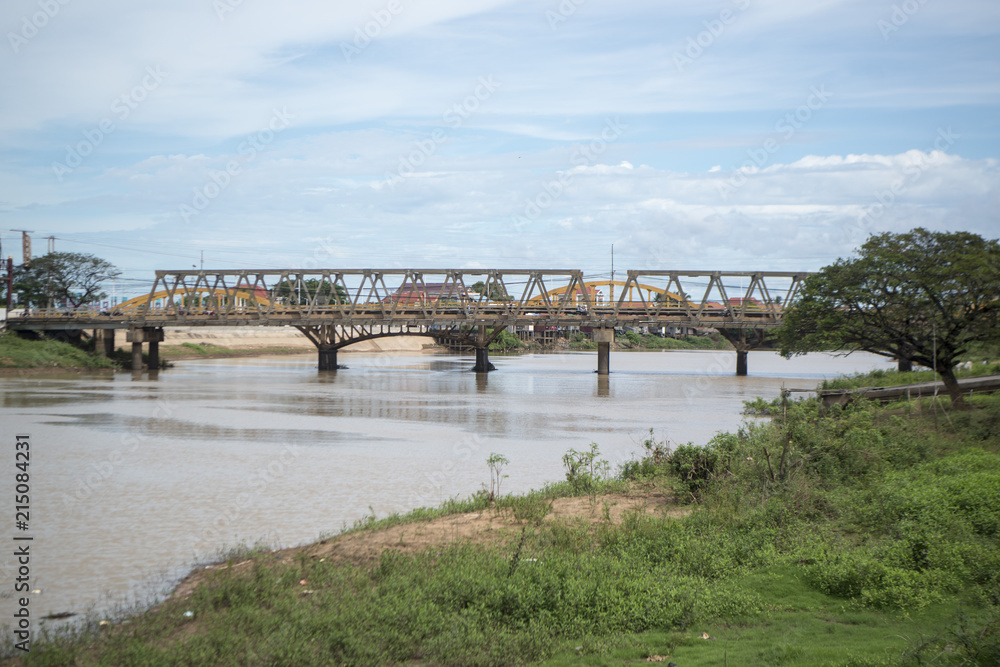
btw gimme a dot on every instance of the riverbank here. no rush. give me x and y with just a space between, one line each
19 357
861 536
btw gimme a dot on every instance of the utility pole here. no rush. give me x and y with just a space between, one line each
612 285
8 279
25 246
10 283
52 243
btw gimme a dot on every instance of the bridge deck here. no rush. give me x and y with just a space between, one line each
599 318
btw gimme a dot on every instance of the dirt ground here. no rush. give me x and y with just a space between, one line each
488 526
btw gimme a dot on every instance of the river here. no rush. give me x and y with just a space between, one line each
133 481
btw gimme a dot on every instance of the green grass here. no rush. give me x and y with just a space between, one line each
205 348
630 340
16 352
860 536
892 378
634 341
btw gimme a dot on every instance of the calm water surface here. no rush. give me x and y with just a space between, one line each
134 481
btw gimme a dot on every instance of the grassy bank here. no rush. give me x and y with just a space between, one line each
891 378
861 536
635 341
16 352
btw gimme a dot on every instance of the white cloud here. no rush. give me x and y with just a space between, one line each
376 158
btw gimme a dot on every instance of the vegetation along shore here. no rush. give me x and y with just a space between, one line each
864 535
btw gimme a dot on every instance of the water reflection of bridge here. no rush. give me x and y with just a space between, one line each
335 308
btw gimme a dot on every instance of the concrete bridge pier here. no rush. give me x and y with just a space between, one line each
741 362
483 364
743 345
151 335
328 359
104 342
482 345
604 338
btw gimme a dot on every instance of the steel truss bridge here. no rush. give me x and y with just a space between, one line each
337 307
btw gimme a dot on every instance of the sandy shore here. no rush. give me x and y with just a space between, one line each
283 339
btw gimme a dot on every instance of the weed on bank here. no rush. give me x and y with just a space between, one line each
864 535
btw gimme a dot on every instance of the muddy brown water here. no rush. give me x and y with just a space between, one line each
133 481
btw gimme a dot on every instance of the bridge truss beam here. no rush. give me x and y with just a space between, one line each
335 307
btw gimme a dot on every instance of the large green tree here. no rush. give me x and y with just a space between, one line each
63 277
920 297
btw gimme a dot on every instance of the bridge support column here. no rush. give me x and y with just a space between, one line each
741 362
483 339
743 345
104 342
604 338
137 337
137 355
328 360
153 360
483 364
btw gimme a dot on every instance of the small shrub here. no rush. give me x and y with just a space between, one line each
584 470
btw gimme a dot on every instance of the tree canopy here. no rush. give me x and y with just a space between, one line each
304 292
63 277
497 292
920 296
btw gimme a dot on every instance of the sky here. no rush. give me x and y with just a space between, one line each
741 135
